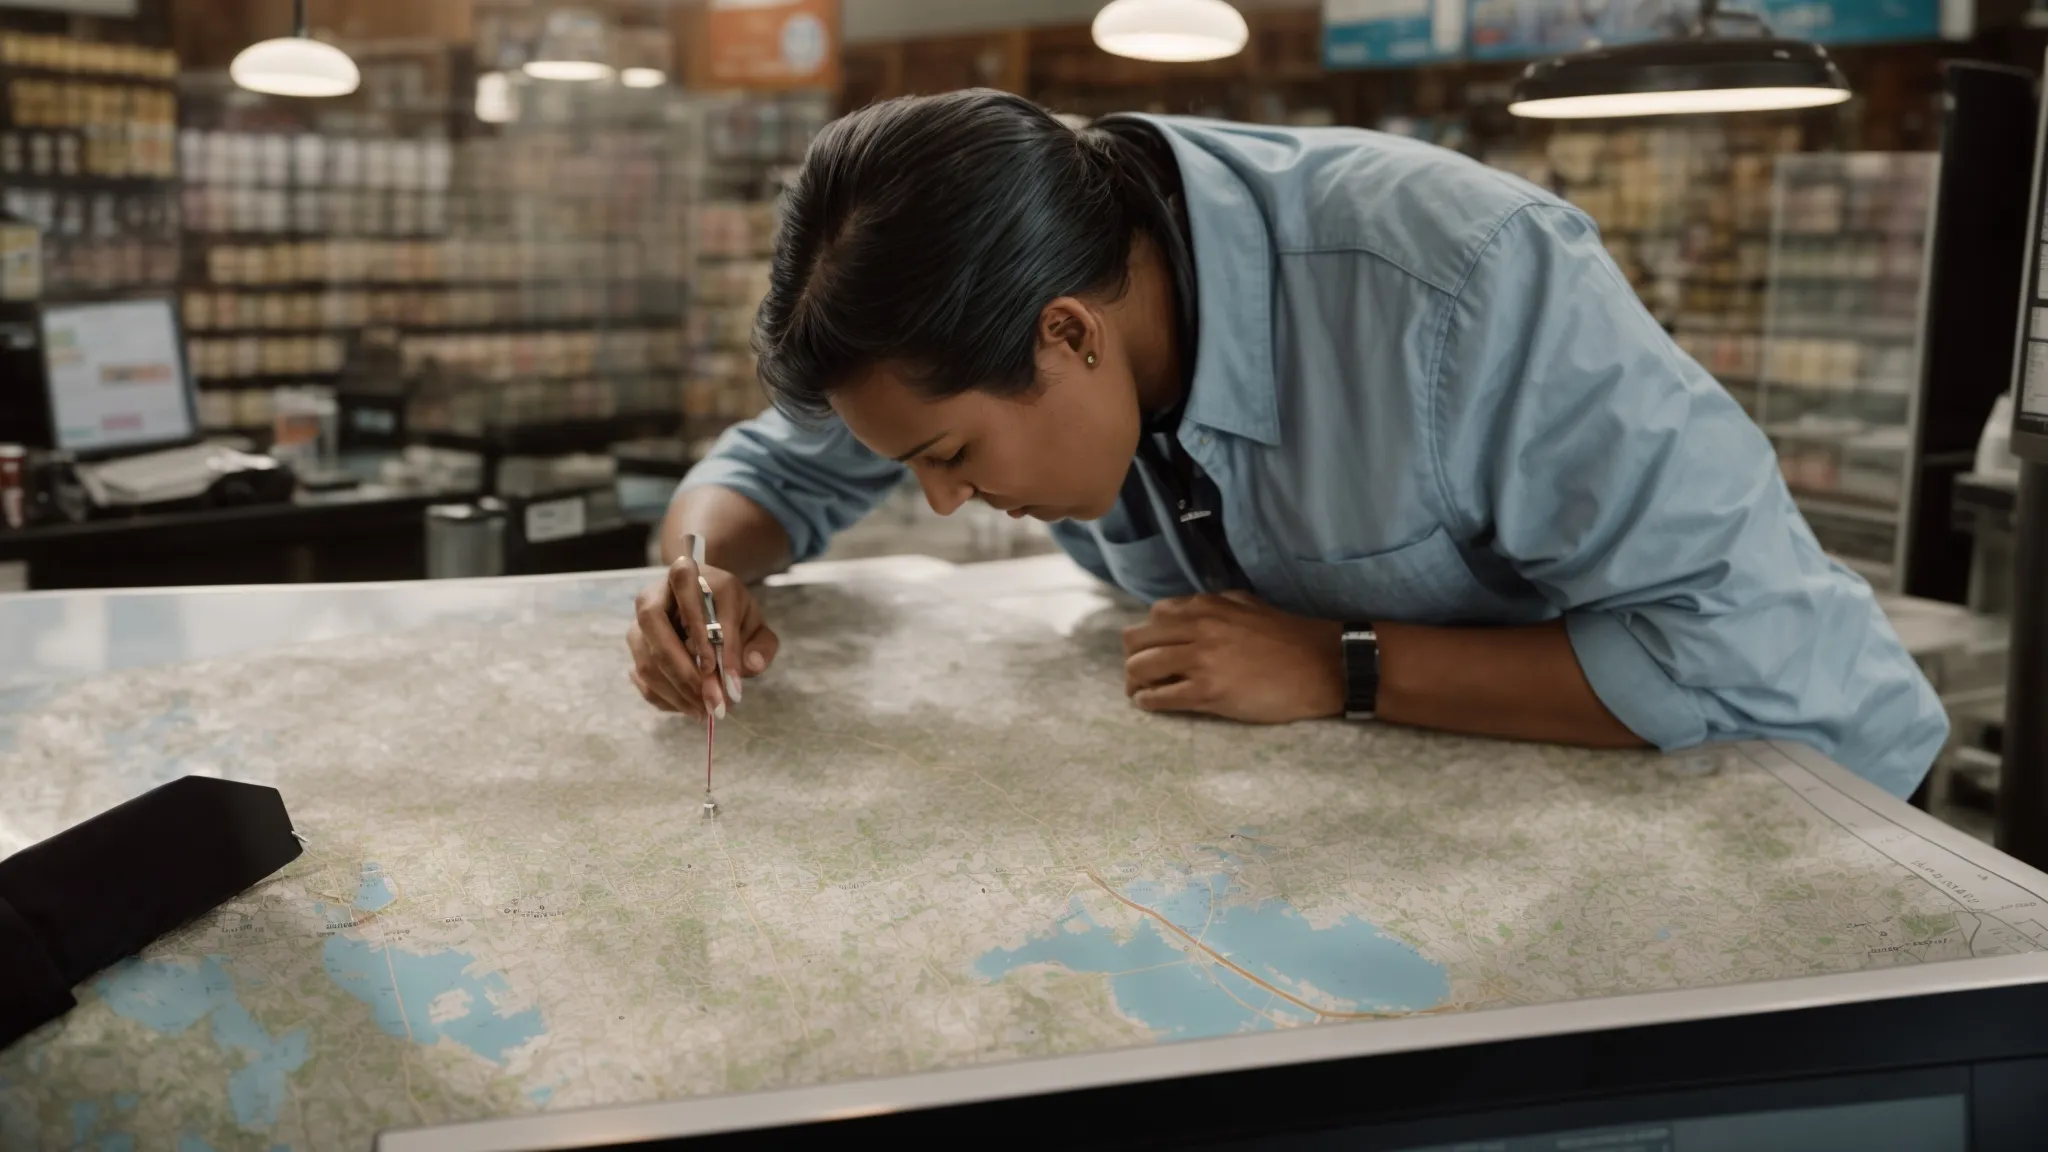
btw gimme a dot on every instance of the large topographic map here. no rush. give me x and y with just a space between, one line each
945 838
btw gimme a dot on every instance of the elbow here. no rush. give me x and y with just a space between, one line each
1861 702
1635 685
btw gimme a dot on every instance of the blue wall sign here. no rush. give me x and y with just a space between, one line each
1521 29
1391 33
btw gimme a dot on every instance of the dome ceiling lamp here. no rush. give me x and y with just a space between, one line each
1170 31
1699 70
295 65
572 48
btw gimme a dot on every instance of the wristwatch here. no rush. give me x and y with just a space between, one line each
1361 671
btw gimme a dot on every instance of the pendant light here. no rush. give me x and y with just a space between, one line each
571 47
1170 31
642 77
1697 71
295 65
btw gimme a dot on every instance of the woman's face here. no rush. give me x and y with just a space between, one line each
1058 451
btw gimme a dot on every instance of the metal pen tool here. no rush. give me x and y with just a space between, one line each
714 632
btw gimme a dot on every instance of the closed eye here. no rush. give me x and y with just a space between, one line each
952 461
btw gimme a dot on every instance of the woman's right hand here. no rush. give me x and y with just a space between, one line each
676 673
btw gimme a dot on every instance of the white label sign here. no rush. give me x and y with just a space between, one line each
554 520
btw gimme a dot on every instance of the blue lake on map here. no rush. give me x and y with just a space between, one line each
425 996
373 894
16 703
1348 966
170 997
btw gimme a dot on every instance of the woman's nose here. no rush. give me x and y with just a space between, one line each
944 493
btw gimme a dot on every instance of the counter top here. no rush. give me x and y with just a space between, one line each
946 840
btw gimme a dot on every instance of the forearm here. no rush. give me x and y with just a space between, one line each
739 535
1517 683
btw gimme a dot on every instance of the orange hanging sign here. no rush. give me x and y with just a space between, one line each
773 43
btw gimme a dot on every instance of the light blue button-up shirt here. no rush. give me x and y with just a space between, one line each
1426 394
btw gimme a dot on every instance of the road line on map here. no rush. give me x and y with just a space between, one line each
1265 1014
1220 958
404 1056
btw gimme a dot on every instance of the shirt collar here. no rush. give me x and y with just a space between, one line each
1233 388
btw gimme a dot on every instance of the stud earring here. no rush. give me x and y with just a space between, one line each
1090 359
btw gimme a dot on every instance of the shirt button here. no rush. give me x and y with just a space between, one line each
1205 441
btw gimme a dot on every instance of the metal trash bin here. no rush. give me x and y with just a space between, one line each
466 540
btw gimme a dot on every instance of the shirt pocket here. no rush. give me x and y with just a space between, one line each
1146 568
1426 582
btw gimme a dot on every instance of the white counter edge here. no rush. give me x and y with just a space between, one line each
846 1099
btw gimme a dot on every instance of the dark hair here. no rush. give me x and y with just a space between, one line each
931 231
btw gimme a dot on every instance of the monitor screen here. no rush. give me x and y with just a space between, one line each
2033 396
116 376
2033 369
2030 373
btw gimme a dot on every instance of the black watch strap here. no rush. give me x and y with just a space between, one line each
1361 671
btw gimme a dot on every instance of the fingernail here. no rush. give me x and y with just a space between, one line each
720 713
732 688
756 661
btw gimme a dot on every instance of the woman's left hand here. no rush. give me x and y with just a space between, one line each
1234 657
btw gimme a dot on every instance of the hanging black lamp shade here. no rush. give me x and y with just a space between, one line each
1698 71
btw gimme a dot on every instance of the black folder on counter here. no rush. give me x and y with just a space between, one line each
96 893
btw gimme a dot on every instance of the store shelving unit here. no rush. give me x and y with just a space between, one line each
1840 365
584 214
297 239
1685 212
521 276
87 155
752 145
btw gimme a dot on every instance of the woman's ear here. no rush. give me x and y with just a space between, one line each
1068 322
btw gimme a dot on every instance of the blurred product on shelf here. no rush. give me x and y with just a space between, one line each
753 144
83 57
21 261
306 428
14 497
88 156
541 475
1841 353
548 263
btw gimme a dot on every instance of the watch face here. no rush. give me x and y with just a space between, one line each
1361 672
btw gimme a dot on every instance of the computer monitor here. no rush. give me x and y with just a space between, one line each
2030 364
116 378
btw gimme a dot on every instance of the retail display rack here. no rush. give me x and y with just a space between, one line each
88 156
1840 368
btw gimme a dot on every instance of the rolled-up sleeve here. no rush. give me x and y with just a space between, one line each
815 481
1626 485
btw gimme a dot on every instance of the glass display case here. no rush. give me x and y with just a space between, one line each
1840 361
